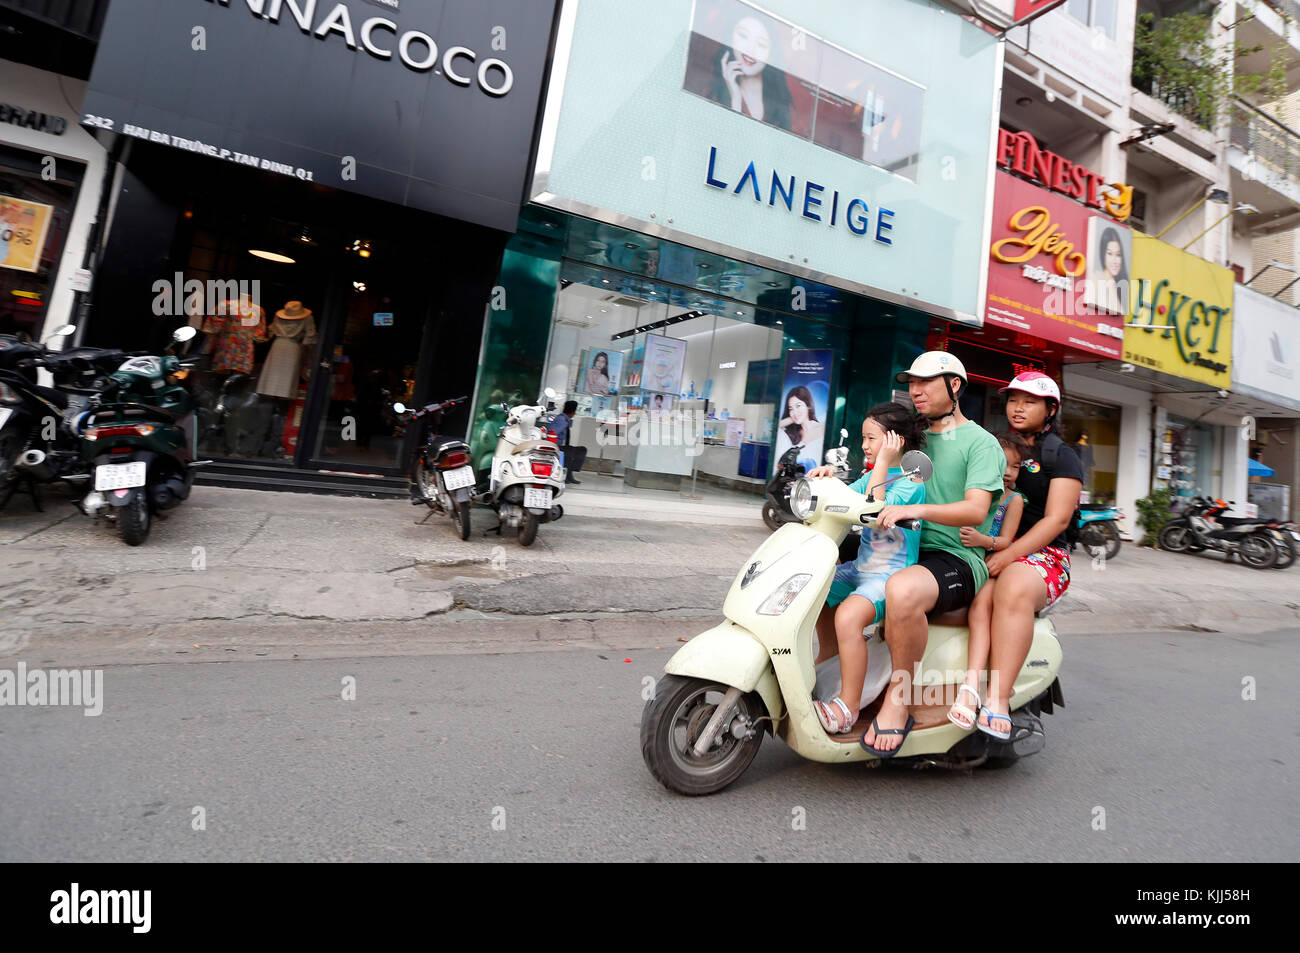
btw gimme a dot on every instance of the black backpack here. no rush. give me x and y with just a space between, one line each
1051 445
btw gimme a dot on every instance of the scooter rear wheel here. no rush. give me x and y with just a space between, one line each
1257 551
670 726
133 520
770 517
527 529
1104 534
460 516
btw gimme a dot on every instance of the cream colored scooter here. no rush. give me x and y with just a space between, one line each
755 672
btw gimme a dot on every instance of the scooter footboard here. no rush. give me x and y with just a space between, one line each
730 654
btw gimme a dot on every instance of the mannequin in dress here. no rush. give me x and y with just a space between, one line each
293 332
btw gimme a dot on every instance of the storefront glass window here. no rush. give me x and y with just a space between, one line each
1188 452
34 217
1093 431
670 384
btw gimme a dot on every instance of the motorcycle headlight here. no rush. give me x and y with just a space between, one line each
802 501
789 590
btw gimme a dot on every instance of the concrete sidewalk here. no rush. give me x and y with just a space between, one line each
239 573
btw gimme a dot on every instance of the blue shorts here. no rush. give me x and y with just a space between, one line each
849 583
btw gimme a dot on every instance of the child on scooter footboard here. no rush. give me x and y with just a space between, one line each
857 596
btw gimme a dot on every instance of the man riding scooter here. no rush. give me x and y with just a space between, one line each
968 465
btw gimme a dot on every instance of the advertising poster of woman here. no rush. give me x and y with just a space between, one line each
803 411
1110 249
740 58
598 374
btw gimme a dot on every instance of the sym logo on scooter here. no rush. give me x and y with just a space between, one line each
784 651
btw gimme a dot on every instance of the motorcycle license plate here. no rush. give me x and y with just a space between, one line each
459 478
119 476
5 414
535 497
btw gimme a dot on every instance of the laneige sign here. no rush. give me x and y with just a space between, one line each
382 38
425 103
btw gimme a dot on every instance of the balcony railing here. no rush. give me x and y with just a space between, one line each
1274 145
1180 99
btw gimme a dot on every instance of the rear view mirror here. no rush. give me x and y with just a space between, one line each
180 335
550 393
918 461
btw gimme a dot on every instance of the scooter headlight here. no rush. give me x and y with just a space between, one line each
802 501
780 600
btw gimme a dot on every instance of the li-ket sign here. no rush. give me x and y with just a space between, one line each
1182 314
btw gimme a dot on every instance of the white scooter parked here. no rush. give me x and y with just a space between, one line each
526 474
755 672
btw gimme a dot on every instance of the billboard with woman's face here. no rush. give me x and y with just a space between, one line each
769 70
1110 252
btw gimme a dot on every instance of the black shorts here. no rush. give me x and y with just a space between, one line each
956 581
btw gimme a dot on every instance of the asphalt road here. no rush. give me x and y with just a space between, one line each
534 756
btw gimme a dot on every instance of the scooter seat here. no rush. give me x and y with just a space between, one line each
955 617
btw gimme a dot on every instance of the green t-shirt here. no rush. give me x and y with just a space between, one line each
966 458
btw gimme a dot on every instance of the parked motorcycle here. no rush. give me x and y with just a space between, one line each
754 672
441 475
1286 539
40 426
526 475
776 507
141 440
1099 528
1200 526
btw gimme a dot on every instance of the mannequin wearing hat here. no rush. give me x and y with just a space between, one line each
293 330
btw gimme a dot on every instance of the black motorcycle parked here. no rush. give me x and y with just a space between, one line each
441 475
40 426
1200 527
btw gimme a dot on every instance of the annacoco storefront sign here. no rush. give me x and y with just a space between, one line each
426 103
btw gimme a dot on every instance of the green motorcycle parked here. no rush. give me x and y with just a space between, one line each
141 439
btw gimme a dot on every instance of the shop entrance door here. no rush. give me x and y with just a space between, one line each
369 355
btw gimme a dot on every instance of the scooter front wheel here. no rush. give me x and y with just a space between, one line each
671 724
1176 539
771 517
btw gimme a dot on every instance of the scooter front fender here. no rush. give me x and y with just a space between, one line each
731 654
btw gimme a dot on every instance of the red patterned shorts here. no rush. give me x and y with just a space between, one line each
1053 564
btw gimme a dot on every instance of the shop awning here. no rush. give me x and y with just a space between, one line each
1255 468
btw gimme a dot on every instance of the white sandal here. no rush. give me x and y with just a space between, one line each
832 720
960 709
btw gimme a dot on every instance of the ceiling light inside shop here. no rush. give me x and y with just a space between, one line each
271 256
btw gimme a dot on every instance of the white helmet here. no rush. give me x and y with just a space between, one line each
933 364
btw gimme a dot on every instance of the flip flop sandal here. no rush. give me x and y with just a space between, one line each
904 731
832 720
960 709
988 729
